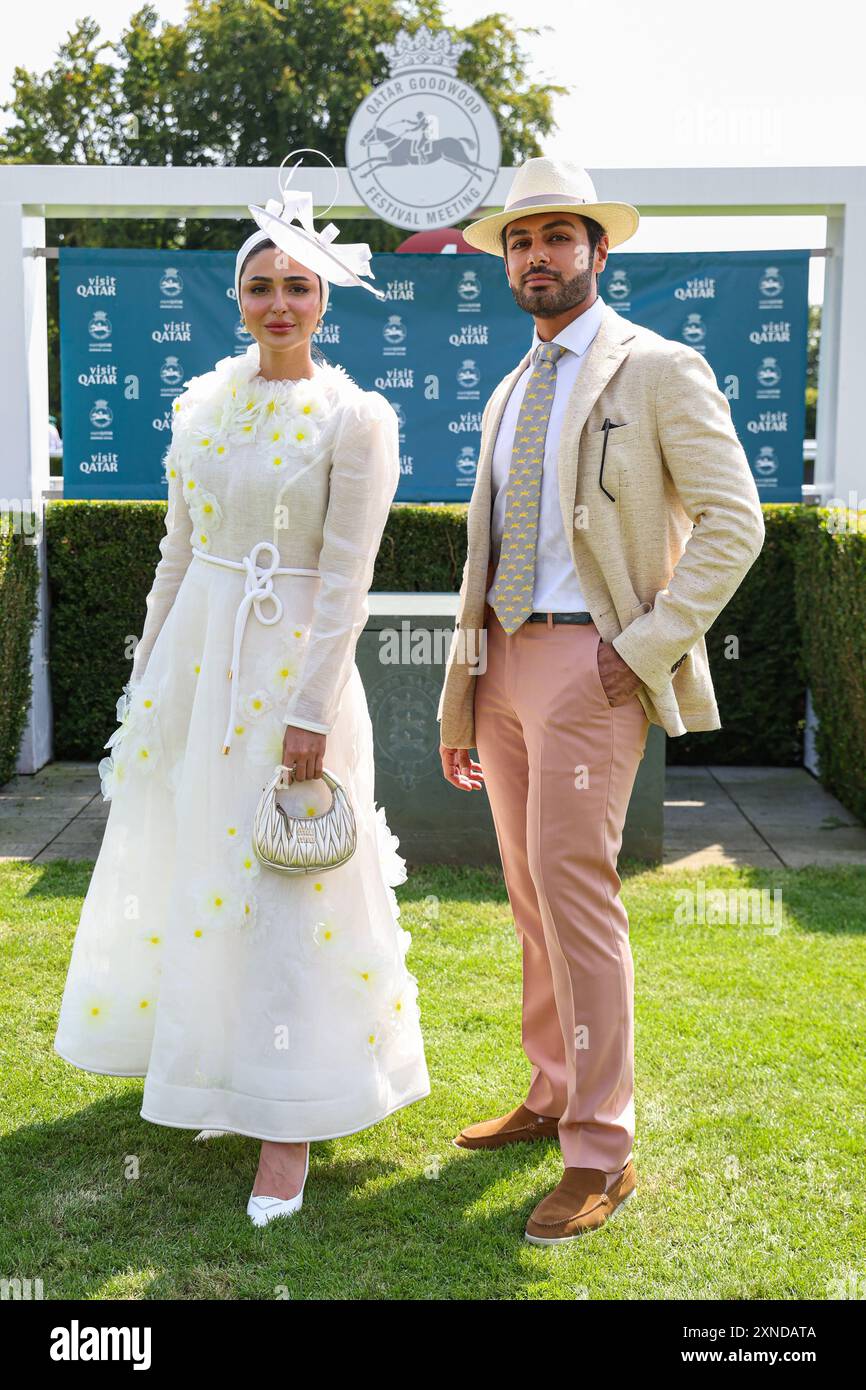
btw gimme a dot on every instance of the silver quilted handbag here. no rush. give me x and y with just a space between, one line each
303 844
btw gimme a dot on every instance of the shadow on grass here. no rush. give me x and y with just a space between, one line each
104 1194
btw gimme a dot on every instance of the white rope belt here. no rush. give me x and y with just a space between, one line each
258 585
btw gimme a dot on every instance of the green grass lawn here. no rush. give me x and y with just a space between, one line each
750 1106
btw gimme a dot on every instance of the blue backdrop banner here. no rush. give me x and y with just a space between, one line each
135 325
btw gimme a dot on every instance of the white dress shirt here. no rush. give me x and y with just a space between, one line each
557 587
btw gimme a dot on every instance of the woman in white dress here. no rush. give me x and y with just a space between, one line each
253 1001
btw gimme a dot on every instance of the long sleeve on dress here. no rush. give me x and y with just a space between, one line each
365 472
176 551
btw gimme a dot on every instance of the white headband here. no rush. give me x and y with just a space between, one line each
254 240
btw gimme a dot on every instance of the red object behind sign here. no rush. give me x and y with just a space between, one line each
448 240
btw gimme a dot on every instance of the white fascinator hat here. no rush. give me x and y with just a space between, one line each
287 221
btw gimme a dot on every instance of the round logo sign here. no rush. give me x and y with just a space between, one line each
423 148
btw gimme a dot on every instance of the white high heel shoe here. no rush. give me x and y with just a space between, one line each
264 1209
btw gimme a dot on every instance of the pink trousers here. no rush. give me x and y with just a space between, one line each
559 764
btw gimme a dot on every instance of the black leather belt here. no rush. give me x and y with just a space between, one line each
560 617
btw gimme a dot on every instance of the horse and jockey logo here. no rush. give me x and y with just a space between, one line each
423 148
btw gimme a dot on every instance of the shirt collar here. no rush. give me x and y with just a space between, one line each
577 335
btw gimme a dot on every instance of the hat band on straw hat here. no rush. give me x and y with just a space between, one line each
544 199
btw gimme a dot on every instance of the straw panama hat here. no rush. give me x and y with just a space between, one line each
552 185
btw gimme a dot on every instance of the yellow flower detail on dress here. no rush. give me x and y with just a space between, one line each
365 972
198 442
112 774
97 1010
205 510
248 913
243 860
307 400
256 703
278 671
301 433
142 751
217 905
403 1005
330 936
226 903
237 417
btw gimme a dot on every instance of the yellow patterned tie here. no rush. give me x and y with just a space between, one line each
515 574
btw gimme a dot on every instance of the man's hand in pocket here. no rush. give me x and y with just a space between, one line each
618 680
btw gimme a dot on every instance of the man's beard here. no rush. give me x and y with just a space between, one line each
556 298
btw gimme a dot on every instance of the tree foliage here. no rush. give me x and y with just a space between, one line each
239 82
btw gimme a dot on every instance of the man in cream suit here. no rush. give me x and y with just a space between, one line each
613 516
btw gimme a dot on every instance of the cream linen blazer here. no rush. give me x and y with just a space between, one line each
658 563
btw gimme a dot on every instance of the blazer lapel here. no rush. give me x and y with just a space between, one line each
610 345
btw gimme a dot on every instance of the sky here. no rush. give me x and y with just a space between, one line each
672 83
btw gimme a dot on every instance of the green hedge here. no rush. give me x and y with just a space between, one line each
19 609
831 607
102 557
761 693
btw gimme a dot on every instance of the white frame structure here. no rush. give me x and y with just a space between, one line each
31 193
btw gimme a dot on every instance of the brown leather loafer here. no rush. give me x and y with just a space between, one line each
516 1127
579 1204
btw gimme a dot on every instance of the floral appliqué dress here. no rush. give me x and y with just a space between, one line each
274 1005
